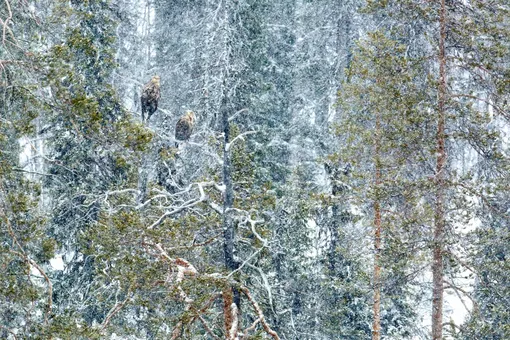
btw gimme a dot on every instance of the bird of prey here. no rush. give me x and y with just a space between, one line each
184 127
150 97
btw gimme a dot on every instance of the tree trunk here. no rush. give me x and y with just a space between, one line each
143 177
228 200
376 327
228 226
439 218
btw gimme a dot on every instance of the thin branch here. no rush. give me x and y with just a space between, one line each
198 314
266 284
240 136
257 235
9 331
260 314
488 102
50 288
246 261
188 204
466 294
231 118
216 208
207 328
251 328
118 306
5 24
46 278
8 61
196 245
459 260
32 172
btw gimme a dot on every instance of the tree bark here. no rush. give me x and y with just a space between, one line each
228 226
376 326
228 199
143 177
439 218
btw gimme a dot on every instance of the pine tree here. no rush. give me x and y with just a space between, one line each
450 79
378 134
26 296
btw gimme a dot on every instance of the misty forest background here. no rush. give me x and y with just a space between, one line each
347 177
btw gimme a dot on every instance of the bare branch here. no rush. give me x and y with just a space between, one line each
231 118
260 314
207 328
234 326
196 245
240 136
5 24
457 289
46 278
198 314
241 266
32 172
9 331
488 102
251 328
188 204
267 286
183 268
118 306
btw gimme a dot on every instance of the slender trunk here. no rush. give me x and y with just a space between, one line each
232 300
228 226
228 199
439 218
143 177
376 327
342 37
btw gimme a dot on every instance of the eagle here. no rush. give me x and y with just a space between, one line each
184 127
150 97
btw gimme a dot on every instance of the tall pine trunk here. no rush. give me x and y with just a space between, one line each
439 218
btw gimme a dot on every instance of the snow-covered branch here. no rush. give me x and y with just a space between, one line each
188 204
231 118
238 137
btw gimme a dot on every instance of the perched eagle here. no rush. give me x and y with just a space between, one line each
150 97
184 127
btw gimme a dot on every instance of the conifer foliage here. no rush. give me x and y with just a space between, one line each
347 175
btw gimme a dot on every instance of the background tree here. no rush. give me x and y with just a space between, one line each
456 107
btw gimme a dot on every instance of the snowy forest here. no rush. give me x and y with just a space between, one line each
255 169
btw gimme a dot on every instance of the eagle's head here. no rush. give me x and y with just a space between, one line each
155 80
190 115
